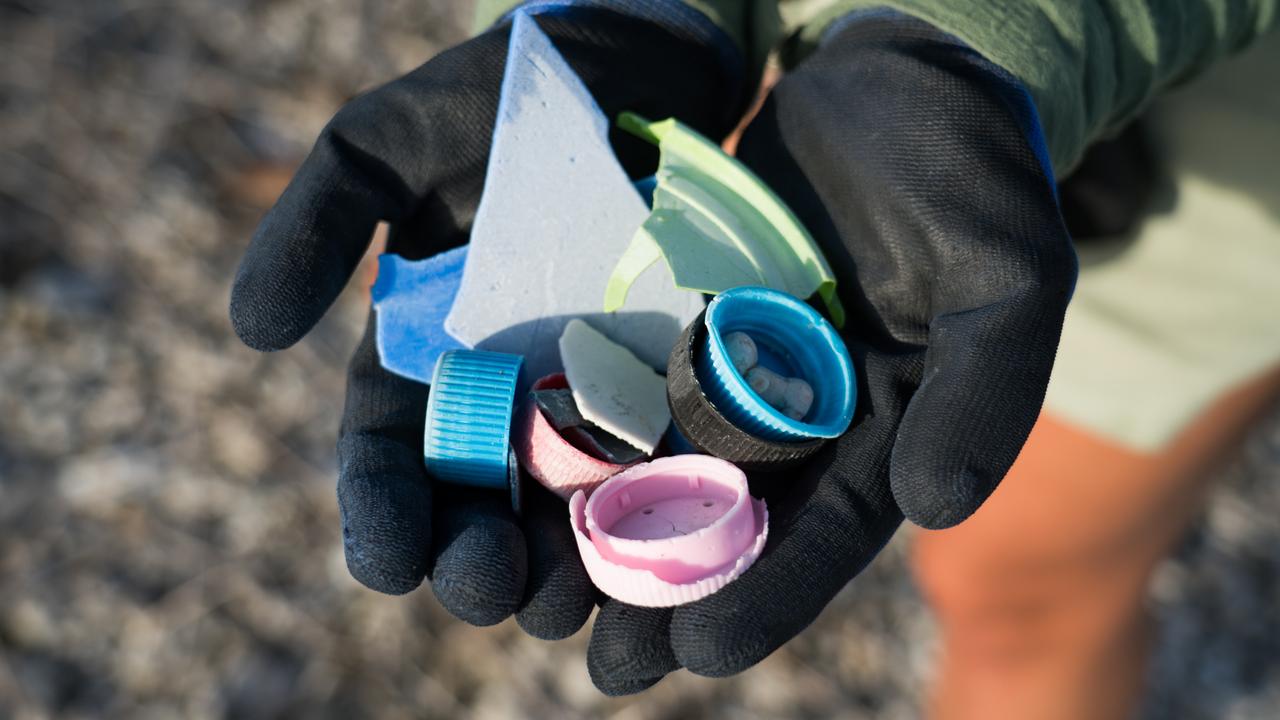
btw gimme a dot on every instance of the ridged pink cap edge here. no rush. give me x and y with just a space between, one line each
555 463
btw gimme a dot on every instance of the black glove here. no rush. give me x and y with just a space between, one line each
919 168
414 153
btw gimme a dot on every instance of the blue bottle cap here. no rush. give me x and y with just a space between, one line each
793 340
467 434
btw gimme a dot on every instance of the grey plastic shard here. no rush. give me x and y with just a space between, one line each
556 214
560 409
602 446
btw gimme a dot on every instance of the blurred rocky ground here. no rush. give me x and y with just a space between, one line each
169 540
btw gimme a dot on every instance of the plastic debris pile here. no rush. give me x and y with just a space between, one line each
545 361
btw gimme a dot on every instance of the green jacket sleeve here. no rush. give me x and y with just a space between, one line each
1089 66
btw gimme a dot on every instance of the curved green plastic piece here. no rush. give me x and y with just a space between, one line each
718 226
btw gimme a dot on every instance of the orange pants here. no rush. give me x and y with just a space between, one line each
1040 595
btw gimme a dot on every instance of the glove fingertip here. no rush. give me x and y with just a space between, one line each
555 610
296 265
544 626
386 525
630 648
388 575
935 504
262 322
559 596
470 604
622 688
966 425
480 571
706 645
558 600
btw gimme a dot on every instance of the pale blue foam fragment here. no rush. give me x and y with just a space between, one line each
412 298
557 213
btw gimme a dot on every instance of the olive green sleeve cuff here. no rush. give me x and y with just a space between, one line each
1090 67
752 25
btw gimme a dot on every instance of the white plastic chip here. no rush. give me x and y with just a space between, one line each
613 388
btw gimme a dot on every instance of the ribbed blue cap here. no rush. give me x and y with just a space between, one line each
794 338
467 433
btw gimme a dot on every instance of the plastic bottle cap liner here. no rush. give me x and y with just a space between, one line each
466 438
669 531
703 426
793 340
549 458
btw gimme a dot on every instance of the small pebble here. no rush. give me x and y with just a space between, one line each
742 351
793 397
769 385
799 396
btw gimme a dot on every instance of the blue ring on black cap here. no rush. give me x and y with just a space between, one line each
799 342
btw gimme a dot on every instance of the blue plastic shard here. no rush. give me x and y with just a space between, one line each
412 298
556 214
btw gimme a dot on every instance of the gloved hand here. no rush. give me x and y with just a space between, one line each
414 153
919 168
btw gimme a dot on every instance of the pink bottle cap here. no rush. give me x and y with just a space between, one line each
550 459
669 531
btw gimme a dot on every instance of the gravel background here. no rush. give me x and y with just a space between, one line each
168 530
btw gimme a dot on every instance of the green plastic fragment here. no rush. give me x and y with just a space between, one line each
718 226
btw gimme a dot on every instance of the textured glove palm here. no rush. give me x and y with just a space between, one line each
914 163
414 153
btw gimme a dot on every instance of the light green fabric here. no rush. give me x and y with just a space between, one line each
1089 66
1164 322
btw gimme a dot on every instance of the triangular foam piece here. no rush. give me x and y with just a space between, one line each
556 214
